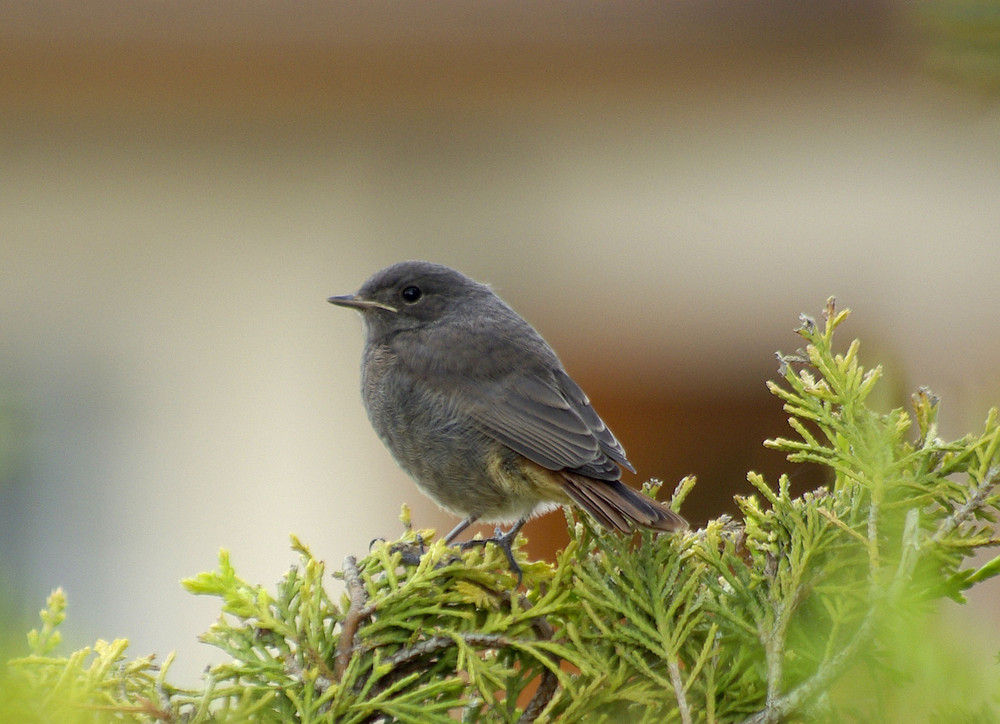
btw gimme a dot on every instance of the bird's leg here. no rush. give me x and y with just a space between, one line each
501 540
459 528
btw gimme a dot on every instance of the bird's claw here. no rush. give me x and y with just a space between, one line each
503 541
410 553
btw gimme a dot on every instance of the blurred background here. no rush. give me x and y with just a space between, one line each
661 188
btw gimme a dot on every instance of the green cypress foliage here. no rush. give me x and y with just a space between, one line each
812 607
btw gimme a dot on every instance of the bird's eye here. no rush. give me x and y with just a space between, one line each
411 294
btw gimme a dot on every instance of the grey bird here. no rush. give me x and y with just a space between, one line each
476 407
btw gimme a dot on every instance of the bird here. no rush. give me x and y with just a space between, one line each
477 408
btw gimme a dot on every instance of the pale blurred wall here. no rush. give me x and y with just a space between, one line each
661 190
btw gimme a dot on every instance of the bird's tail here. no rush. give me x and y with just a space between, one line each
614 505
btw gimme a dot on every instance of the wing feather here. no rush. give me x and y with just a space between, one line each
548 419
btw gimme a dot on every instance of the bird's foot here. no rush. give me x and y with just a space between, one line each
410 553
503 541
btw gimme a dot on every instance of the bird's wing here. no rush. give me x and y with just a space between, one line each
548 419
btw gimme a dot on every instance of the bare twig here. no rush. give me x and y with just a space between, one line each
543 695
441 642
909 553
683 708
963 512
356 613
774 654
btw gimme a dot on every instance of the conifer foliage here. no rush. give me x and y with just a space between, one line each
811 607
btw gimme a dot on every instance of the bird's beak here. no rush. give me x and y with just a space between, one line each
356 302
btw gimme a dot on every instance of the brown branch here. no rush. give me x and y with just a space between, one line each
356 613
441 642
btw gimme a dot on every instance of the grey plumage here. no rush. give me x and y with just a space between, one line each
477 408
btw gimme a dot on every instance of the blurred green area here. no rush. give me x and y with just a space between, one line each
13 441
960 41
